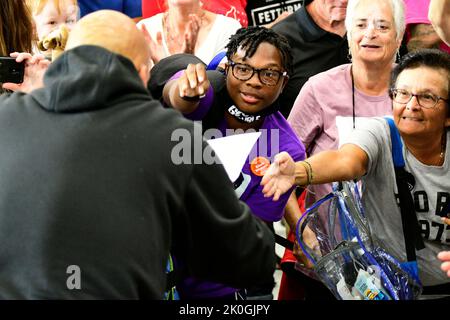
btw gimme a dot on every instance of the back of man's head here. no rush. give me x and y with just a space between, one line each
113 31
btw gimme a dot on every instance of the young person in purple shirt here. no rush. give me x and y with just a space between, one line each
243 97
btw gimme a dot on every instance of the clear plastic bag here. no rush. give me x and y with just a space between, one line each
347 259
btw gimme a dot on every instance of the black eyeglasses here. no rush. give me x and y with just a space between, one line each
425 100
244 72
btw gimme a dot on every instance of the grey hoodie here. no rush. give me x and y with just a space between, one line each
88 188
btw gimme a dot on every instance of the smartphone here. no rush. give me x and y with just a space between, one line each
10 70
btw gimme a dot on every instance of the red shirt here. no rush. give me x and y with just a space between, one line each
230 8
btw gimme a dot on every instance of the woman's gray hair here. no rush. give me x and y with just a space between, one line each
398 12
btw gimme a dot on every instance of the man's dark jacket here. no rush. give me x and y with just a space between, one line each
87 181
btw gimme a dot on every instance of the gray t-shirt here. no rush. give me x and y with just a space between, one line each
430 194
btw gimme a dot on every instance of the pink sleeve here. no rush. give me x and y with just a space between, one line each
416 11
306 116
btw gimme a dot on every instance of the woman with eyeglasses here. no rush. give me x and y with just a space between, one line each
244 98
345 94
420 91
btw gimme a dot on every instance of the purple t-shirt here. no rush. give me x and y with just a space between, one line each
276 136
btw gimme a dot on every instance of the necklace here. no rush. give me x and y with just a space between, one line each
443 144
167 30
432 160
353 96
242 116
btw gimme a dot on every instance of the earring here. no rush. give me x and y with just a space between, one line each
398 56
349 55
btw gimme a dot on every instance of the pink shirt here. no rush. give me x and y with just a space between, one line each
416 11
324 97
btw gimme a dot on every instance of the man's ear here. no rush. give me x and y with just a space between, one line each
144 74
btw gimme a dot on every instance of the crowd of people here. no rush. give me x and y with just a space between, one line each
90 181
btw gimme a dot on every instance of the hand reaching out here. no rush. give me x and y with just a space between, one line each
35 67
279 178
194 81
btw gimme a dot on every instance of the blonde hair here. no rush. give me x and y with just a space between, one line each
36 6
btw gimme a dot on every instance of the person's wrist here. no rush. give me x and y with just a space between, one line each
305 177
300 176
192 99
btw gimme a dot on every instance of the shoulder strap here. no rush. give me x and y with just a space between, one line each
411 229
397 145
214 63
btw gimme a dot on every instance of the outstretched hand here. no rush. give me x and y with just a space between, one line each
35 67
194 81
280 177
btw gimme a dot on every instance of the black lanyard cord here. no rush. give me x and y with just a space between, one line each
353 96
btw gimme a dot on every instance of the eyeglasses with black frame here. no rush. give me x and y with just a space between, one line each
425 100
244 72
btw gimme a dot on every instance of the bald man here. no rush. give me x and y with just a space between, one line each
91 198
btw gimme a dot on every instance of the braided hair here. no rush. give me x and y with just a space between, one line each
250 38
